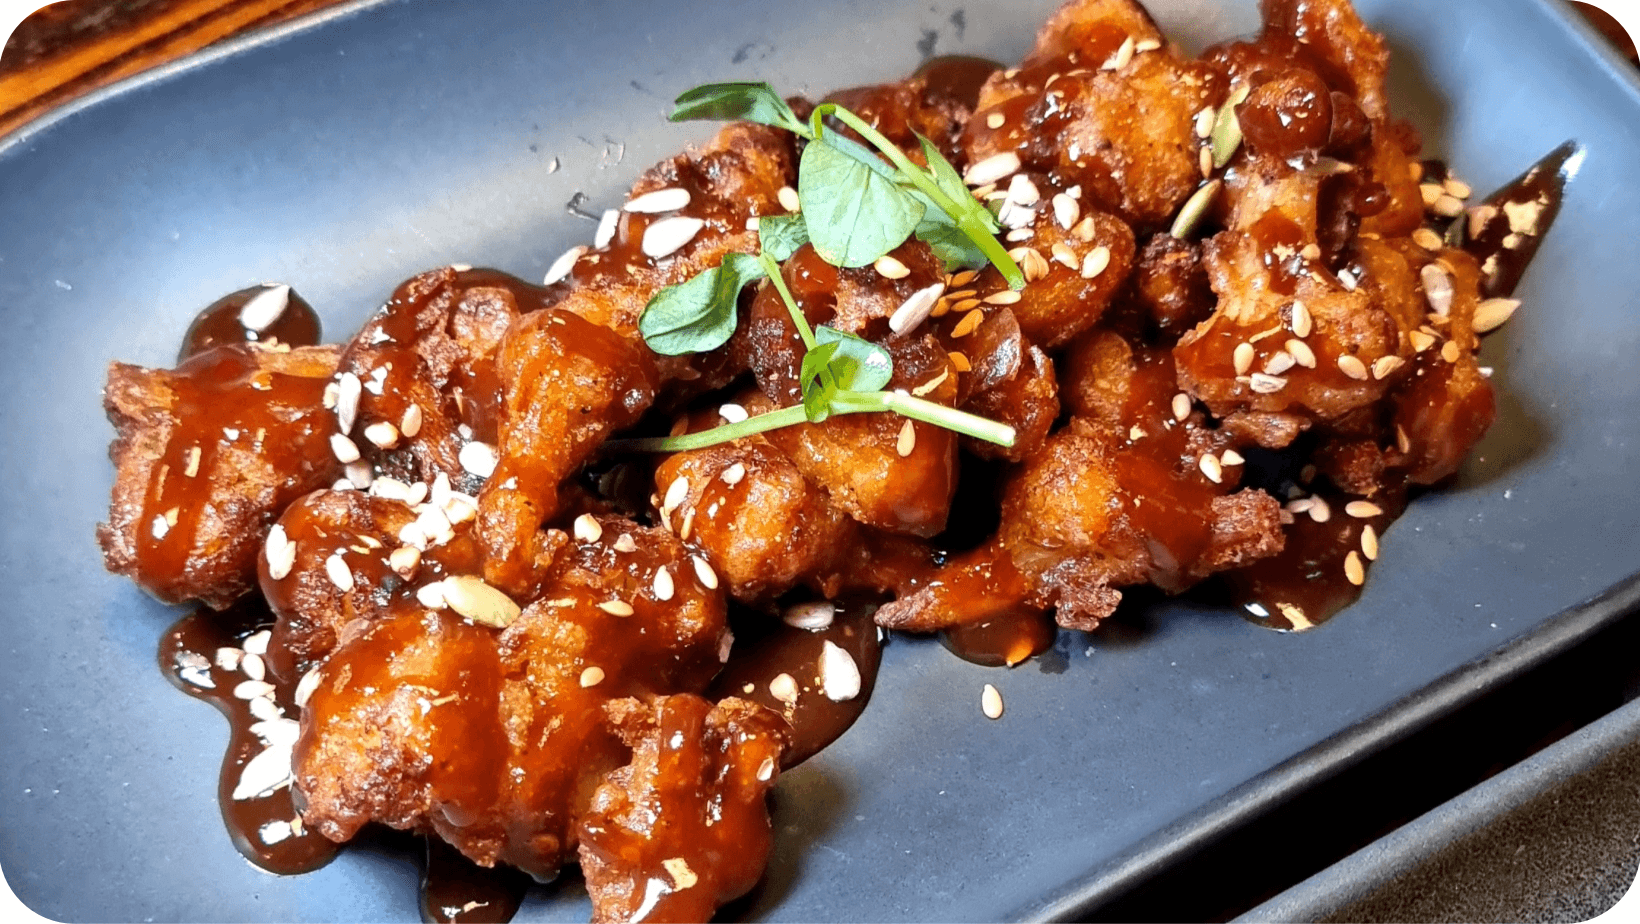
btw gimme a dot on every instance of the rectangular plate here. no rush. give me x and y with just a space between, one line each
348 153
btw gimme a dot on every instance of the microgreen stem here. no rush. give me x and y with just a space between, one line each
762 423
803 328
964 213
854 402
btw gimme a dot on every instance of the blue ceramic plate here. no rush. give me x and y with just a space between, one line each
346 153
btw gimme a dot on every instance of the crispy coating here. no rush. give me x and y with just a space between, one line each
496 739
748 508
1171 284
684 827
206 457
1121 130
566 385
433 347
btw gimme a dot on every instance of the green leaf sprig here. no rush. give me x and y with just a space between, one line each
855 209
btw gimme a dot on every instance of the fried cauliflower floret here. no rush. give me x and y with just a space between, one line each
206 456
424 382
1103 104
748 508
684 827
494 739
567 384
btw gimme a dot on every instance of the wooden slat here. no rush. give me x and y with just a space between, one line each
90 45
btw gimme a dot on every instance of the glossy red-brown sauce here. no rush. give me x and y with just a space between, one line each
220 324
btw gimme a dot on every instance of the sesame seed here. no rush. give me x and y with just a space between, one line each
1430 193
784 688
404 560
348 390
382 435
410 423
592 676
587 529
703 571
992 169
1311 252
343 448
890 268
661 200
788 199
914 310
1279 363
251 689
667 236
1064 254
676 493
1437 288
995 120
1427 239
812 616
1450 351
1354 570
1320 510
1369 542
1210 466
1204 161
264 308
1242 358
1266 384
1448 206
332 391
1005 297
338 572
733 413
625 543
968 323
839 675
923 390
1420 340
765 770
606 228
1066 210
958 280
1031 263
306 686
478 458
959 361
1084 230
1302 322
1123 56
280 552
1204 123
1022 191
616 607
560 268
682 876
733 474
1301 353
1492 313
907 441
1231 457
1385 365
1403 442
990 702
663 585
1095 262
1363 510
1181 406
253 667
1352 367
431 595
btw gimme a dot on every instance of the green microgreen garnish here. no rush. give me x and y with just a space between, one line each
856 208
